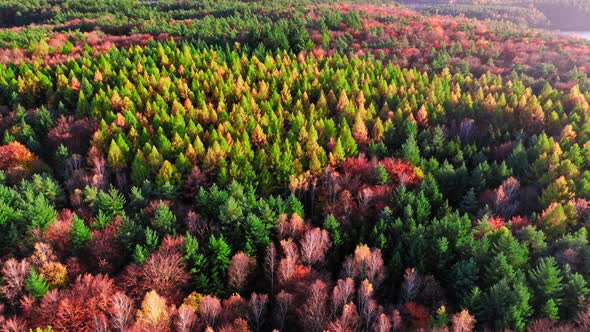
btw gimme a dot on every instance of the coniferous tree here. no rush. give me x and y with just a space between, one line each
80 234
36 284
115 157
411 151
546 282
197 263
218 259
348 143
164 220
333 227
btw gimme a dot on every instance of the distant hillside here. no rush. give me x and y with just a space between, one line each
548 14
566 15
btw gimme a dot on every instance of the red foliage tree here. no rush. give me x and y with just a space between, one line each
12 324
54 235
382 324
238 325
270 264
367 306
121 312
396 319
368 265
582 208
171 244
194 181
401 172
257 306
359 167
186 319
286 269
496 222
314 245
75 134
89 297
98 176
289 248
463 322
16 160
43 312
422 117
418 314
342 293
293 227
313 312
283 226
234 307
506 202
411 284
163 272
282 307
519 222
349 320
344 207
14 275
209 310
105 249
239 269
297 226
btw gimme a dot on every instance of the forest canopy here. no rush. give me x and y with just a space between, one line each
259 165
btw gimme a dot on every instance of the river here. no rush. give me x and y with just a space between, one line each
582 34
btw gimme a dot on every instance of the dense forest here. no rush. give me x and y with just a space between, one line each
265 165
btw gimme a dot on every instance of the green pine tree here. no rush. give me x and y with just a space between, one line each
546 282
257 234
348 142
115 157
218 260
469 202
333 227
40 212
550 310
36 284
80 234
140 254
411 151
197 263
575 293
382 175
139 169
164 220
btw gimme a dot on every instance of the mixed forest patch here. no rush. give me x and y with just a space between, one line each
388 31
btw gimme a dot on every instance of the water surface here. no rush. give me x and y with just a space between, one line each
581 34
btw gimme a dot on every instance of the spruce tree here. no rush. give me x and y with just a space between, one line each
218 260
348 142
164 220
333 227
546 282
80 234
36 284
115 157
411 151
